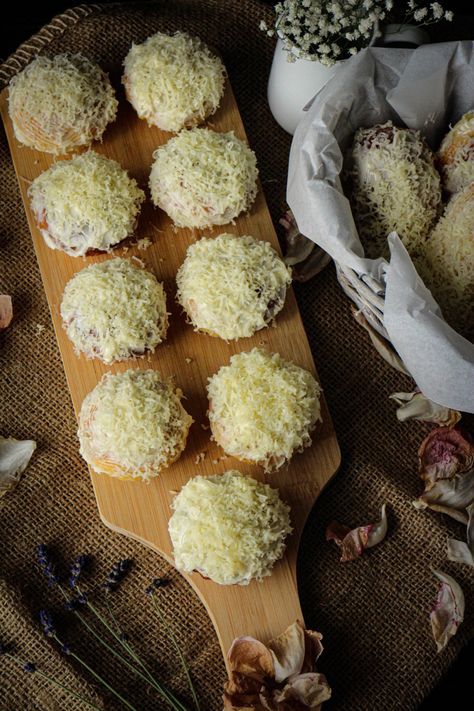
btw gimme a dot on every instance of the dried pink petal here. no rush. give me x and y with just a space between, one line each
448 612
6 311
446 464
416 406
278 677
354 542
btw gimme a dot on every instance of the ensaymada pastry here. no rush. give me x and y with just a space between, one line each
87 203
456 155
60 103
232 286
202 178
173 81
114 310
263 408
394 185
447 263
133 425
230 528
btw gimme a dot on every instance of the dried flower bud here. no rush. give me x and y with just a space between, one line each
446 464
416 406
29 667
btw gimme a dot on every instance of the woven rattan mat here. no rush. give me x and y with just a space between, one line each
373 612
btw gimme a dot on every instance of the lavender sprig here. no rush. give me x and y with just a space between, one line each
47 565
77 568
117 574
47 623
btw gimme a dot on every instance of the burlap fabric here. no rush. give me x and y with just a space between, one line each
373 612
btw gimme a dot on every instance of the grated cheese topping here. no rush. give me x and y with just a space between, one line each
394 186
173 81
57 104
133 425
262 408
456 155
203 178
231 528
85 203
114 310
232 286
447 262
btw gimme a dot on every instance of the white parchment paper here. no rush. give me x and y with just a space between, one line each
426 88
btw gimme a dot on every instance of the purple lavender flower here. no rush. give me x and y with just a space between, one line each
77 568
157 583
117 574
3 648
47 623
66 649
47 564
75 602
29 667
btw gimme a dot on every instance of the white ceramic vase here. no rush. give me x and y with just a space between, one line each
292 85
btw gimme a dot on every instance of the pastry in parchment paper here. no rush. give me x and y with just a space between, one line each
393 185
262 408
456 155
173 81
133 425
60 103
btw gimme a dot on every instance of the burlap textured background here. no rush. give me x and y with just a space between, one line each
373 612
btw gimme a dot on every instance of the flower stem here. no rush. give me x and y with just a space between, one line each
175 644
55 682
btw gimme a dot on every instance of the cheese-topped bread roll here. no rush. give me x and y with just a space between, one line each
87 203
447 263
57 104
203 178
263 408
114 310
173 81
394 186
230 528
456 155
232 286
132 425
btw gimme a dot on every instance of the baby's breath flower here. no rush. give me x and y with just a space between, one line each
437 10
418 15
448 15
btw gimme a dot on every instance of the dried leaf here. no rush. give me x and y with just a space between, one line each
415 406
446 464
6 311
448 612
279 676
353 542
14 458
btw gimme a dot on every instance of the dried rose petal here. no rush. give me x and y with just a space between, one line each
6 311
354 542
14 458
277 677
416 406
446 464
448 612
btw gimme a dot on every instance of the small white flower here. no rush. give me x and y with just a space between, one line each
448 15
418 15
437 10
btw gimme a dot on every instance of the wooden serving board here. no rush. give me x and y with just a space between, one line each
141 510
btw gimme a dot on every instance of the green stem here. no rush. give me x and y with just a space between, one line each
55 682
175 644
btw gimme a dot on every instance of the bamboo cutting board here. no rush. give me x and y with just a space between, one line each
139 510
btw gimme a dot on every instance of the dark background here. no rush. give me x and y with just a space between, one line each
22 22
